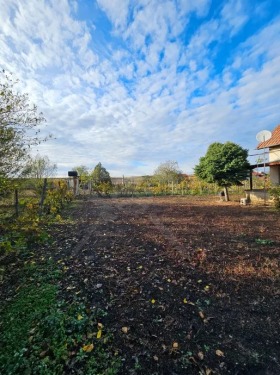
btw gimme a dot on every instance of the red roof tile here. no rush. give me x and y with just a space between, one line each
273 141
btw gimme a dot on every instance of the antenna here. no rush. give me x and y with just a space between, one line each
264 136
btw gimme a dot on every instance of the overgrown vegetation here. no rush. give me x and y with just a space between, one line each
43 334
275 194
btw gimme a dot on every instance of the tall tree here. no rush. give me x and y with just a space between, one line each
168 172
225 164
17 118
101 179
39 167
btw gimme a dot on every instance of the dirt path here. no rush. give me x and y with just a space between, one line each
186 286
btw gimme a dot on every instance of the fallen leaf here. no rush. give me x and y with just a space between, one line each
175 345
200 313
155 358
153 301
219 353
100 325
88 348
43 354
80 317
185 300
70 287
124 329
200 355
206 288
99 334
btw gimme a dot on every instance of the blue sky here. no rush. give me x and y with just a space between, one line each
133 83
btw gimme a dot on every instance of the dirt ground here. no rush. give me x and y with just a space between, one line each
189 285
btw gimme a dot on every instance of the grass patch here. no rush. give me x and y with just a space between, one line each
43 334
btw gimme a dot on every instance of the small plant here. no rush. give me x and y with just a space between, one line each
260 241
43 334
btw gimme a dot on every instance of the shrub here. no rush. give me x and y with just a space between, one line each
275 194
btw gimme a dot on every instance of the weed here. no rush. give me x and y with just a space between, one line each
42 334
260 241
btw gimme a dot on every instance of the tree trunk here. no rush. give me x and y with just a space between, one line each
226 194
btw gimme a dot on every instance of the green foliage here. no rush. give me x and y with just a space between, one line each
29 228
41 334
84 175
261 241
225 164
39 167
17 118
167 172
101 180
275 194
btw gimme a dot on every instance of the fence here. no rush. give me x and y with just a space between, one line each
40 196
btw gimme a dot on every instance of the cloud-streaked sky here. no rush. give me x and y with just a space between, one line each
133 83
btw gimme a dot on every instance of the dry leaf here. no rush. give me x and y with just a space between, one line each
208 371
88 348
201 314
175 345
219 353
124 329
200 355
99 334
100 325
155 358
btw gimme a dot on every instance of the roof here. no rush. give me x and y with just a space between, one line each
268 164
273 141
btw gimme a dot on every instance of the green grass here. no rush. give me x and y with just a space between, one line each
42 334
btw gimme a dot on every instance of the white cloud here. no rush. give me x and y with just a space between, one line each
157 94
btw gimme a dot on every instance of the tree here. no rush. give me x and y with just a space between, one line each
101 180
84 176
168 172
225 164
17 118
39 167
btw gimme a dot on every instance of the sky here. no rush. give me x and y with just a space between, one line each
134 83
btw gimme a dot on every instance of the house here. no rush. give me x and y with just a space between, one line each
273 144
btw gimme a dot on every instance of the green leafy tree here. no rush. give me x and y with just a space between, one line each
168 172
39 167
101 180
17 118
225 164
84 175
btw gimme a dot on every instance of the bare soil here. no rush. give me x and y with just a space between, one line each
189 285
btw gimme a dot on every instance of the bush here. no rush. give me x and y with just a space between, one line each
275 194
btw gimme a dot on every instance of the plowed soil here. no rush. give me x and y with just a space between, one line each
189 285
